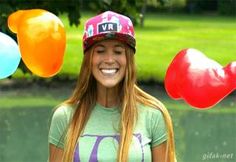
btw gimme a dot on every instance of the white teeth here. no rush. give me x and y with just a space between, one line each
109 71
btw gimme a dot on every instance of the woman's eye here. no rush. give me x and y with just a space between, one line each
118 52
100 51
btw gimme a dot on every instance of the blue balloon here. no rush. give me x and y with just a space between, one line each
9 56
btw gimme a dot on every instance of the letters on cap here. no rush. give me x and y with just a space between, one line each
107 27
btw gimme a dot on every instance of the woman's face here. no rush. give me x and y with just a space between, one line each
109 62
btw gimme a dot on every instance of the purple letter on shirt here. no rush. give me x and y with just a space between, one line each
99 138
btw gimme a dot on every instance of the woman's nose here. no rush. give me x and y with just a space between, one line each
109 57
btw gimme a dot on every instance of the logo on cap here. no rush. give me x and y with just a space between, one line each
107 27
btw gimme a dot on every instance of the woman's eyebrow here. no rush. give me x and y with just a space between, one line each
99 45
119 45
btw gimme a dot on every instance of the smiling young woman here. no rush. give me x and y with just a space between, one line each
108 117
109 63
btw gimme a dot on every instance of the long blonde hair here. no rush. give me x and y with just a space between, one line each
84 97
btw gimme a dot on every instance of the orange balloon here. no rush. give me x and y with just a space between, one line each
41 38
13 20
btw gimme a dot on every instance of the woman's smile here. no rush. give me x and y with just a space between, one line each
109 63
109 71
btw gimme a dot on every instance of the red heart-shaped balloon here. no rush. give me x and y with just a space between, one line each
200 81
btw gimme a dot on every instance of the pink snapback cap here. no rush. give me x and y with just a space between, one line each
108 25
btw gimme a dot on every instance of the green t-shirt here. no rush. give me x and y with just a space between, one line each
99 141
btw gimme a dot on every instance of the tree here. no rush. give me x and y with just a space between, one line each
143 9
72 7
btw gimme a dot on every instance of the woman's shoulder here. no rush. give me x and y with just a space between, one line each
149 110
153 120
63 111
149 113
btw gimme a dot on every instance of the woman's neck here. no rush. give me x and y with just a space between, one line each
107 97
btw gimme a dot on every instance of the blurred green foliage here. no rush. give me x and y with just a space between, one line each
222 7
227 7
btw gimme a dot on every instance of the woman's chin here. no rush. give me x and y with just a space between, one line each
109 84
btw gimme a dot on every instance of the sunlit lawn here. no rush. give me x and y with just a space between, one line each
160 40
40 96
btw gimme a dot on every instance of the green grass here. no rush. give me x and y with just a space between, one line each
163 36
40 96
33 96
159 41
